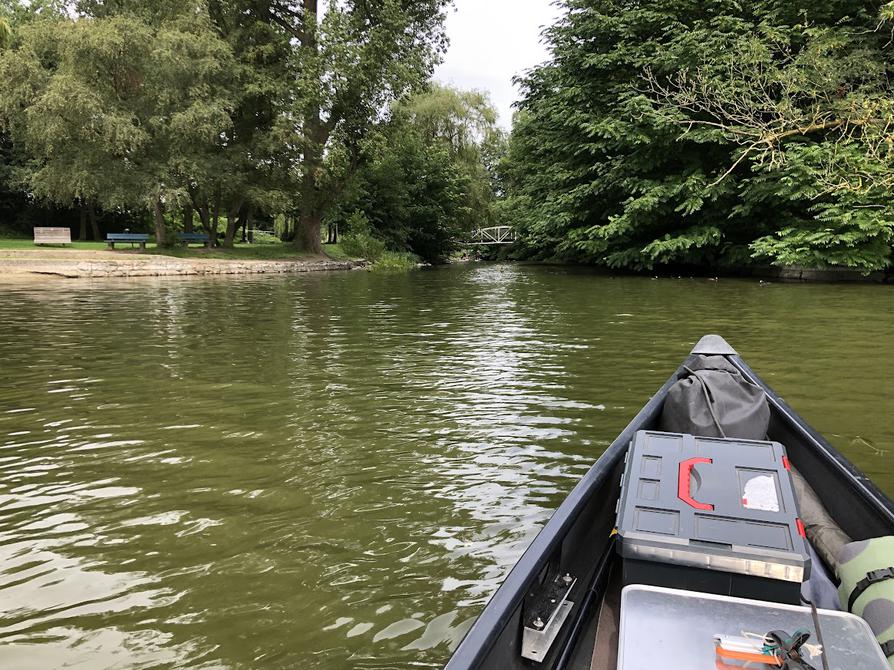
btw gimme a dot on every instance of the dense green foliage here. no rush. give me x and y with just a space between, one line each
360 242
242 111
351 62
423 181
119 141
711 133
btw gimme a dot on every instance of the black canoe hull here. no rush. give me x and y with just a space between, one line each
577 539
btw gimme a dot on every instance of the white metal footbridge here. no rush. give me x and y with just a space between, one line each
493 235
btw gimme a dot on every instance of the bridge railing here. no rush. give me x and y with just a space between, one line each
494 235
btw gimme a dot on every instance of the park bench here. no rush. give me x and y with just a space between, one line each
133 238
186 238
52 236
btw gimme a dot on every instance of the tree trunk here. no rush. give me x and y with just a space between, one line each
310 211
230 234
247 221
310 208
94 226
316 134
161 239
333 233
307 234
82 233
205 219
288 232
232 221
215 221
187 219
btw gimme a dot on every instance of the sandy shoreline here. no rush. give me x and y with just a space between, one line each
74 264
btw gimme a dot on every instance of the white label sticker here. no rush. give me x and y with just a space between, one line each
760 493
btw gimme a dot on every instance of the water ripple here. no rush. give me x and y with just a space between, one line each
338 471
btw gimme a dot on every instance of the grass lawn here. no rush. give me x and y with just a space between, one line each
28 243
257 252
260 252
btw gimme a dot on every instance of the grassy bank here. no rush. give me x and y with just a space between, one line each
395 262
383 261
18 244
244 252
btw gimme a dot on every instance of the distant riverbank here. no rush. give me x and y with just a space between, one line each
792 273
81 263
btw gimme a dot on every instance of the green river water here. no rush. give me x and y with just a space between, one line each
337 471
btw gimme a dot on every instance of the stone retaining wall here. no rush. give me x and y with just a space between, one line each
161 266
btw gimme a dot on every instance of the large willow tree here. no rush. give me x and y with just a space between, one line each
108 109
709 133
422 180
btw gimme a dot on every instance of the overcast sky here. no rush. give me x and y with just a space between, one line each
491 41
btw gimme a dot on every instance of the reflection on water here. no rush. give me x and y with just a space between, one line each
338 470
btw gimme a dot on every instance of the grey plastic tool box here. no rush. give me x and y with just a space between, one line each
712 515
674 630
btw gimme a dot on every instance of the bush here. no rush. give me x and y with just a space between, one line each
362 245
7 232
264 237
396 261
360 242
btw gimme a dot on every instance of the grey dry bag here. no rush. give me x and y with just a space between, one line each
712 398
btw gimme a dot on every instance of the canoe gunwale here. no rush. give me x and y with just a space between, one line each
480 638
479 642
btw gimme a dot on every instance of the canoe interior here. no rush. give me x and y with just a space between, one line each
577 539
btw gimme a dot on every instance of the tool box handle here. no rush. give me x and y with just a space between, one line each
684 485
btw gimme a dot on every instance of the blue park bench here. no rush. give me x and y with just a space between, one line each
186 238
133 238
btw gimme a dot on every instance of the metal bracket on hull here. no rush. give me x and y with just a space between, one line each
545 618
713 345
